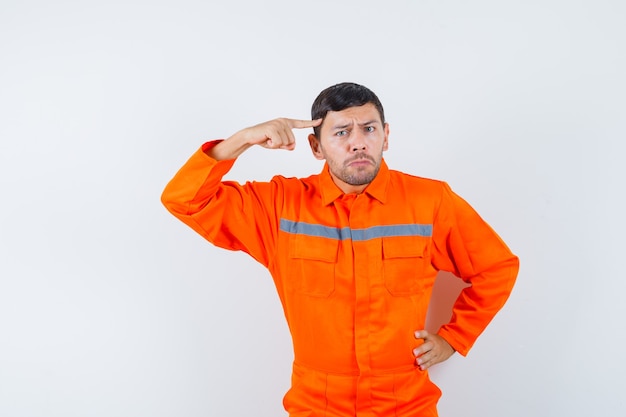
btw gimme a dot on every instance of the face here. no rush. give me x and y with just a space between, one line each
352 142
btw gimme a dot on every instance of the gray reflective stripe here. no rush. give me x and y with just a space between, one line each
308 229
395 230
318 230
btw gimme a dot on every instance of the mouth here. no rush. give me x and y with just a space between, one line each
360 161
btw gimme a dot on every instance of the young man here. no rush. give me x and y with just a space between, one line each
353 252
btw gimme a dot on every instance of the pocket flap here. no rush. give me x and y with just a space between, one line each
314 248
404 247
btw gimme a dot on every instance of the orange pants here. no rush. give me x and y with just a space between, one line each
405 393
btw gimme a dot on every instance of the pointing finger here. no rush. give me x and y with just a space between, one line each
303 124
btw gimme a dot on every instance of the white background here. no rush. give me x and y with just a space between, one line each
111 307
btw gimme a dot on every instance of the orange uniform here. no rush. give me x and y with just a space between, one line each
354 274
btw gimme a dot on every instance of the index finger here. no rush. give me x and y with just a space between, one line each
303 124
421 334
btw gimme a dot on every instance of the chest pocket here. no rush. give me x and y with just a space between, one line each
405 259
312 265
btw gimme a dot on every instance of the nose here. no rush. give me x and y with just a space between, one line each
358 142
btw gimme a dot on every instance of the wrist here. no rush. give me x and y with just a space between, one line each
227 149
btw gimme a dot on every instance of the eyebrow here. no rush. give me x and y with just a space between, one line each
369 122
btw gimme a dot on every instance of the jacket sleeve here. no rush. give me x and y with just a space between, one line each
227 214
467 246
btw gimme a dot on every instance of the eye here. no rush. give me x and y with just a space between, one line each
342 133
370 129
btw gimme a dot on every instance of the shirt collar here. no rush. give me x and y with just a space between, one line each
376 189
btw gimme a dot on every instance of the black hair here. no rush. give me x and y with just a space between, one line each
340 97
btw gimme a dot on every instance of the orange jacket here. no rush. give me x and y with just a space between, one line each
354 273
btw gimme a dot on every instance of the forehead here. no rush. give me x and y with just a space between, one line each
359 114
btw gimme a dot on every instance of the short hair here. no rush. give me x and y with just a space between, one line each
342 96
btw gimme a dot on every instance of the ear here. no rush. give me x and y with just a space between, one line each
316 147
386 141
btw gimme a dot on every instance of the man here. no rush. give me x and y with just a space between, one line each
353 252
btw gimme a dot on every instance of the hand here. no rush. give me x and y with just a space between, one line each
434 350
275 134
